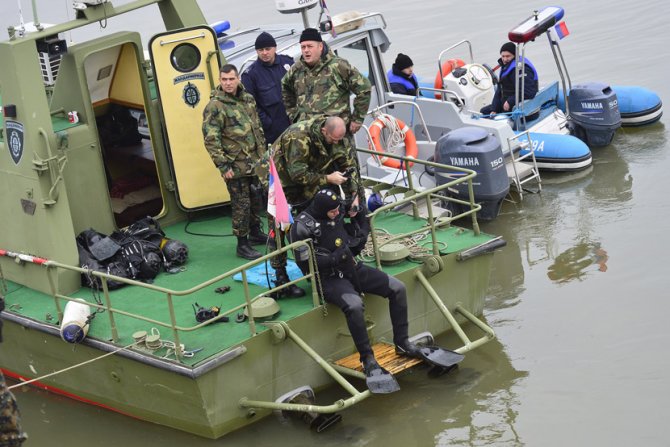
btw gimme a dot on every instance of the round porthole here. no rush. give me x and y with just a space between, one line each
185 57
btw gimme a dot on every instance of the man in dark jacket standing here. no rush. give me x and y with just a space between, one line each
263 80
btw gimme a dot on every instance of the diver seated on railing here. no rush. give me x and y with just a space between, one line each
504 98
343 280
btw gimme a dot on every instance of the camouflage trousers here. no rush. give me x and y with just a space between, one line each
280 260
11 434
247 203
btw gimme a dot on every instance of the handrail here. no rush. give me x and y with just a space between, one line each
428 195
340 404
439 58
52 266
378 110
460 102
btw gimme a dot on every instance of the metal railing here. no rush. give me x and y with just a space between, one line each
112 312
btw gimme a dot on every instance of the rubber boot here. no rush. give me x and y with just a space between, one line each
257 237
407 348
291 291
245 250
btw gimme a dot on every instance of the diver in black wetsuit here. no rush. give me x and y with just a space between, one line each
343 279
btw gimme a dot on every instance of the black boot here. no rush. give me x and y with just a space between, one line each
245 250
257 237
409 349
291 291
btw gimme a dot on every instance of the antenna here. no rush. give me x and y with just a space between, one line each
22 25
36 21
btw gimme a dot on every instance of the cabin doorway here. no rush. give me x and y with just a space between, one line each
117 95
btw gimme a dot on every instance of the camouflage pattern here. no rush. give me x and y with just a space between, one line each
246 201
232 131
325 89
11 434
303 159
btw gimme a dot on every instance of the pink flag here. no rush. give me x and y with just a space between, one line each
278 207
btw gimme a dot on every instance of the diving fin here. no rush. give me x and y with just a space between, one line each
439 356
379 380
431 354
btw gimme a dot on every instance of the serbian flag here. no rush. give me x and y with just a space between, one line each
562 30
278 207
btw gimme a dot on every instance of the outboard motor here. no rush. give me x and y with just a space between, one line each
594 113
473 148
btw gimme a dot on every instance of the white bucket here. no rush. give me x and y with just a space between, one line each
74 328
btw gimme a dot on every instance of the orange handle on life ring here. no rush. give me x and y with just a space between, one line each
447 66
411 148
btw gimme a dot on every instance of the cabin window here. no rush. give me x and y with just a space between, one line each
357 55
185 57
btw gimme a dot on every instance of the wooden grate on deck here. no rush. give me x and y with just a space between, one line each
386 357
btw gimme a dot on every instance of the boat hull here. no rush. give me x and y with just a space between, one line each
559 152
204 399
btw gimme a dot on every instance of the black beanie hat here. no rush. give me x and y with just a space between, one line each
265 40
403 61
310 34
324 201
509 47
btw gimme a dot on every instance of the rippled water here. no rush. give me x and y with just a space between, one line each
577 298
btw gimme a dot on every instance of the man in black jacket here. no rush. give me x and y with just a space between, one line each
263 80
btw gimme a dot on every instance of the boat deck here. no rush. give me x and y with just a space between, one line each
209 257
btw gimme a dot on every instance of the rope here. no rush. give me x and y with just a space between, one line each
28 382
396 136
417 252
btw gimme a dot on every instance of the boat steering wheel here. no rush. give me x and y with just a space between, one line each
480 76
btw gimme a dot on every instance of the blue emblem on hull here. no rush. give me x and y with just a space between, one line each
15 140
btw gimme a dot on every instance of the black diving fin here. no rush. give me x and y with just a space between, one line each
379 380
439 356
431 354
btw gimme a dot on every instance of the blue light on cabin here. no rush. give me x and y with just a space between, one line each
227 44
220 27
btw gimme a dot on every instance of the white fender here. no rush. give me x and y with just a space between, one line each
74 327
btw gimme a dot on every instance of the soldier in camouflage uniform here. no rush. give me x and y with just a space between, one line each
11 434
311 155
321 83
235 141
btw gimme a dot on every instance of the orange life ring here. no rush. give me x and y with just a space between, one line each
447 66
411 148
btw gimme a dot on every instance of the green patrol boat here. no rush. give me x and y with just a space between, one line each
71 160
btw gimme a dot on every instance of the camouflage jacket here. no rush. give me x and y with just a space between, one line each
232 130
325 89
11 434
303 159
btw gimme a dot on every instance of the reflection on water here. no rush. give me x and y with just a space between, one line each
574 262
487 412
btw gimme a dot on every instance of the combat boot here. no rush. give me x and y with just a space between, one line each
245 250
257 237
291 291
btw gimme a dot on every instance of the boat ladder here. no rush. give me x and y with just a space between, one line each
522 169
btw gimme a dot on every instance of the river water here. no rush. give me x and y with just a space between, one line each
577 297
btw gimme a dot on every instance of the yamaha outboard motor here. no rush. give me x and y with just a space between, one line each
473 148
594 113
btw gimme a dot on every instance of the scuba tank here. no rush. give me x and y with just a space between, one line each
74 326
